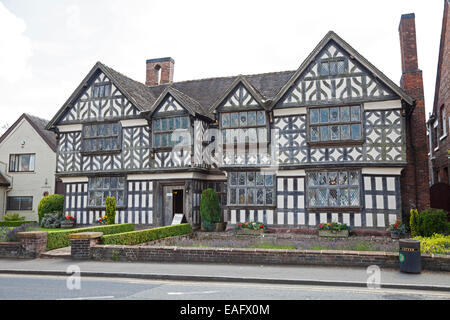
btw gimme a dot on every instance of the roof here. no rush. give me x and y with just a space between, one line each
333 36
39 125
202 96
3 181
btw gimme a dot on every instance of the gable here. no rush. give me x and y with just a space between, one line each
239 98
169 105
334 77
100 100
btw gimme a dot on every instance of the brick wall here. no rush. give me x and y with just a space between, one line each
415 177
260 256
440 163
10 249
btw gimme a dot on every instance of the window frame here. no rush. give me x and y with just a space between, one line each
92 188
339 123
169 132
8 204
247 144
103 85
16 162
347 186
247 187
329 61
101 152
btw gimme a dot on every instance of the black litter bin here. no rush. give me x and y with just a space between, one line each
409 256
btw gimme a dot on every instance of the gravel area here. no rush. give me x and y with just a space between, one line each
279 241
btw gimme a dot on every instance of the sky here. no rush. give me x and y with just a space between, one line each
47 47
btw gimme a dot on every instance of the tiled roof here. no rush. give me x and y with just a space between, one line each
39 125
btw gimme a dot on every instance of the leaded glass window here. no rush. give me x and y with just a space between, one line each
332 67
102 137
251 189
331 189
101 90
102 187
335 124
163 131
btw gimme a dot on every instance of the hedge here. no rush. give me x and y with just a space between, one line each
141 236
17 223
60 238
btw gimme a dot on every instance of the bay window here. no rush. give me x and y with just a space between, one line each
100 188
251 189
333 189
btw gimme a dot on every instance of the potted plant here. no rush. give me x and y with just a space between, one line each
102 220
333 229
397 230
251 228
68 222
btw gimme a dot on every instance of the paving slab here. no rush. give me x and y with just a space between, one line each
311 275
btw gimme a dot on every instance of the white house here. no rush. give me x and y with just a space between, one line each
27 166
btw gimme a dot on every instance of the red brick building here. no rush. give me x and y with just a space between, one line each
439 122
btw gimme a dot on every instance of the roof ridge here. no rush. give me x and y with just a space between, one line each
225 77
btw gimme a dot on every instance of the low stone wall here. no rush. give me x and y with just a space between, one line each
10 249
31 245
260 256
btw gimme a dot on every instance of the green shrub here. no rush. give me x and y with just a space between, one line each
110 210
51 220
60 238
414 222
141 236
13 217
13 223
50 204
210 209
436 244
433 221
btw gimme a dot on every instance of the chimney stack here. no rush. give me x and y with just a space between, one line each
415 193
159 71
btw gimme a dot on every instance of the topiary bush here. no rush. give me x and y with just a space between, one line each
110 210
60 238
210 211
414 222
141 236
433 221
50 204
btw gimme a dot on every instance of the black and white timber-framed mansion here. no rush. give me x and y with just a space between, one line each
323 143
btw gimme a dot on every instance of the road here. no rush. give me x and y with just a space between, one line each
30 287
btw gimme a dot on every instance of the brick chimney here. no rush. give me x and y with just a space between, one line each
159 71
415 192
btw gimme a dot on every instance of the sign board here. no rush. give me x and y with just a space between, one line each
177 218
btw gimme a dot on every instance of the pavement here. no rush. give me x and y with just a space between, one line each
283 274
